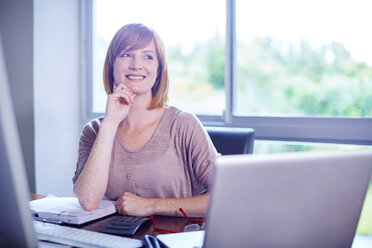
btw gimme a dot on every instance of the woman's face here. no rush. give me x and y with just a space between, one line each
137 69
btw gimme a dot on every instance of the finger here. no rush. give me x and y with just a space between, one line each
118 208
127 97
121 209
120 87
117 86
123 87
122 97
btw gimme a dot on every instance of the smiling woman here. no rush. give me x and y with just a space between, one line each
150 157
135 58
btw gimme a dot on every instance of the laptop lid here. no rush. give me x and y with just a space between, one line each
16 229
287 200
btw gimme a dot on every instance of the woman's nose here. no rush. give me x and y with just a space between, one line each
135 64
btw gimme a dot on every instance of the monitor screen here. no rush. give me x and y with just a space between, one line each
16 229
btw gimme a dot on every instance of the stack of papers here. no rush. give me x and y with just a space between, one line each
68 210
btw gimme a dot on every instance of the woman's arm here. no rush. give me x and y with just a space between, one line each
130 204
92 182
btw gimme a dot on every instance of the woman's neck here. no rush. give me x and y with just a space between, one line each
140 116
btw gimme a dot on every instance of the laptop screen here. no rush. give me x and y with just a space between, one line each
287 200
16 228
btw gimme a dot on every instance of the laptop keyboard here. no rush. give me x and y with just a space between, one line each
123 225
81 238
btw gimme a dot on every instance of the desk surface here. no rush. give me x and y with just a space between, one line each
164 222
178 223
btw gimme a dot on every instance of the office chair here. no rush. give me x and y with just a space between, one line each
232 140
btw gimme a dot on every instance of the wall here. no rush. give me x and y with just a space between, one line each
56 94
16 25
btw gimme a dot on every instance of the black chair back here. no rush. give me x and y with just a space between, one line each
232 140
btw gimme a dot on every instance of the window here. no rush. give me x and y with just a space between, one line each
307 60
300 73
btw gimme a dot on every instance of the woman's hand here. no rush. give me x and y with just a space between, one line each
130 204
119 103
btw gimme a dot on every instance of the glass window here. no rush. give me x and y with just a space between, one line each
304 58
194 35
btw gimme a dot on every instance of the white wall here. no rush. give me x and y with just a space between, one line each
56 94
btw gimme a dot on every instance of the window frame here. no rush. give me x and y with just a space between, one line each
338 130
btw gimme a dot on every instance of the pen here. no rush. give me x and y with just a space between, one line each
53 221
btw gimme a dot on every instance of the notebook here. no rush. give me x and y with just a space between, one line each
68 210
302 199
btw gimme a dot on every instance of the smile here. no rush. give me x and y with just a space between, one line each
135 77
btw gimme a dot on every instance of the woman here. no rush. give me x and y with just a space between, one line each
149 157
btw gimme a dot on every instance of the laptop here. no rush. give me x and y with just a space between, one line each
304 199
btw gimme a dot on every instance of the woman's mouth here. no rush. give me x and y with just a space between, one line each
135 77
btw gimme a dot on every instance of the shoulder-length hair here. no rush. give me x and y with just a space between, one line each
132 37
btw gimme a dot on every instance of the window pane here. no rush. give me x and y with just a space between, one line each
304 58
194 35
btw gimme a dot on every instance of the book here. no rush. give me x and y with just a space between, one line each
68 210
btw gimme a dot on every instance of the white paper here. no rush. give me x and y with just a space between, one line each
183 239
68 209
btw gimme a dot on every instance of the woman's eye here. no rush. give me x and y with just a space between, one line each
125 55
150 57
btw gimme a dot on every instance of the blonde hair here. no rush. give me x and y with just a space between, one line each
132 37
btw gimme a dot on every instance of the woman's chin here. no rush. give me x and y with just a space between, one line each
140 91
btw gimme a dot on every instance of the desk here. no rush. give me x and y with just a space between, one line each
178 223
164 222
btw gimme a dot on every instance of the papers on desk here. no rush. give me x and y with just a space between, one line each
362 241
68 210
183 240
196 239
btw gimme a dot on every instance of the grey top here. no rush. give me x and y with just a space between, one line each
176 162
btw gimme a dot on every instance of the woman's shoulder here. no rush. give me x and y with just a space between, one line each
181 120
175 114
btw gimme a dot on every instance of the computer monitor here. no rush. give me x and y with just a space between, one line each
16 228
